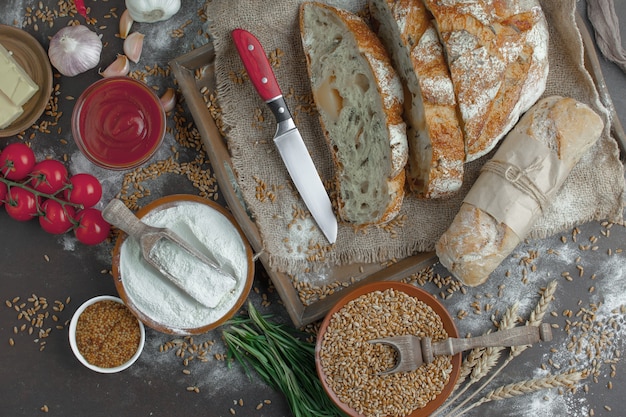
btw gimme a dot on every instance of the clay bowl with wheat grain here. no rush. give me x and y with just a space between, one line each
349 366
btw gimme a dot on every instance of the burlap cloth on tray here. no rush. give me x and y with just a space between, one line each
593 190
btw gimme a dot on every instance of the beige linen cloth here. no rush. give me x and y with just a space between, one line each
593 191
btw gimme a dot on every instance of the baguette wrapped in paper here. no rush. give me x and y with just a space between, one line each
516 185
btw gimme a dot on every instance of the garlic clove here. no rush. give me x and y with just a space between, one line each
119 67
133 44
168 99
126 22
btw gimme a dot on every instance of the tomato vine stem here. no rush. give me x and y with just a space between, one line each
10 184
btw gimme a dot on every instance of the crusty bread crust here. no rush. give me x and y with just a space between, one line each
476 243
436 147
497 53
359 98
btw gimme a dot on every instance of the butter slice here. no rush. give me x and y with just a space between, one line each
8 111
15 83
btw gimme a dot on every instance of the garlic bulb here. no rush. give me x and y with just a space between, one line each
74 50
152 10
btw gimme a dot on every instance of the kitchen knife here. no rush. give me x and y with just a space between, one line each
287 138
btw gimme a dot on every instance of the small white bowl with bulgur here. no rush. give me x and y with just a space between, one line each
105 335
350 367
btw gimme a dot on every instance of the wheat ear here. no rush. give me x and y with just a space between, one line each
535 318
568 380
481 360
469 363
475 354
489 358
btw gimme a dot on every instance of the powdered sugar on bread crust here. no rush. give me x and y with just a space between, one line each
389 86
399 148
497 53
438 90
390 89
436 86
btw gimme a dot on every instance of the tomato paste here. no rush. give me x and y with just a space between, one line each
118 122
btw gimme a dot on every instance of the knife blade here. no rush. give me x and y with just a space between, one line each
287 138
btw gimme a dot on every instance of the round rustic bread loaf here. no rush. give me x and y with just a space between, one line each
497 52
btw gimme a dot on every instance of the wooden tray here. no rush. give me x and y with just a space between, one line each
195 73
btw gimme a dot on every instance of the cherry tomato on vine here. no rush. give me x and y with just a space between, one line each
49 176
56 218
91 228
16 161
83 189
3 193
21 204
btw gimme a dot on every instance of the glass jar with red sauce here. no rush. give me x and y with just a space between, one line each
118 123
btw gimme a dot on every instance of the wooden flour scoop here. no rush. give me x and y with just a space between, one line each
414 351
177 260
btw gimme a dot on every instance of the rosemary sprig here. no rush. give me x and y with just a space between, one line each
282 359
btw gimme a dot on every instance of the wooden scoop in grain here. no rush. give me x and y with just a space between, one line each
414 351
149 237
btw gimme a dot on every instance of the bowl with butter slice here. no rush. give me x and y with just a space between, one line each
25 80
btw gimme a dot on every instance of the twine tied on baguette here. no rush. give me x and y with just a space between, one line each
520 178
517 185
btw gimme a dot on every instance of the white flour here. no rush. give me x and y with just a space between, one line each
157 297
204 283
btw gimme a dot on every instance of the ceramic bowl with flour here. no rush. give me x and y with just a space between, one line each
159 303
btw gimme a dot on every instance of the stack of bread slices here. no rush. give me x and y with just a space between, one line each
408 98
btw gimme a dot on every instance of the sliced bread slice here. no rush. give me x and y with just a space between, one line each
498 58
436 147
359 97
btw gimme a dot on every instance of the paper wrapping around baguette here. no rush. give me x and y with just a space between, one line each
523 176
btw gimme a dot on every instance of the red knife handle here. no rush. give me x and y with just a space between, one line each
260 72
258 67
